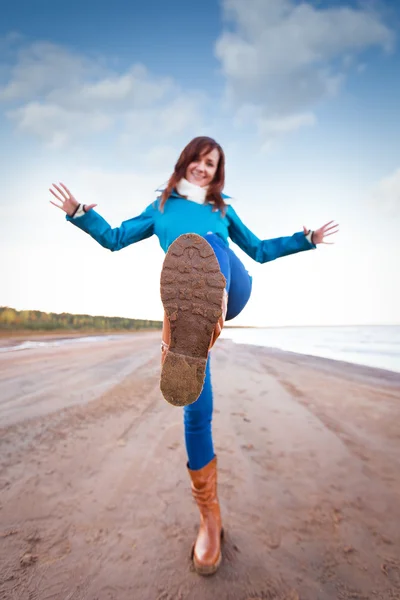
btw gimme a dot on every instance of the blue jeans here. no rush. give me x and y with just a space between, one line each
198 416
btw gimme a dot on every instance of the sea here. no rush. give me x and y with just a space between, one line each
370 345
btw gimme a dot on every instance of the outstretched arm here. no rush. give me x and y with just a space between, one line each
87 219
266 250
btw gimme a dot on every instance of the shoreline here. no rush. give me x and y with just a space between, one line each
338 364
9 339
329 364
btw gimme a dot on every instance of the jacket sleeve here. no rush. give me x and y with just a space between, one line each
263 251
130 231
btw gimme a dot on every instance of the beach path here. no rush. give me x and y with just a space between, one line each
95 498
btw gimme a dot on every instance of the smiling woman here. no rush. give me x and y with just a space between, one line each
203 284
201 164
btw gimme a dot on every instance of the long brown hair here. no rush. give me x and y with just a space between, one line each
196 148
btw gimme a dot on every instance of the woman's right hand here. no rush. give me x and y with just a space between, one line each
68 202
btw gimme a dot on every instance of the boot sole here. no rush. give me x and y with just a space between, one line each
192 289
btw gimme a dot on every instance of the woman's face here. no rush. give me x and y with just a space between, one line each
201 172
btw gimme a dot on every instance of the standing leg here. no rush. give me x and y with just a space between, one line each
202 468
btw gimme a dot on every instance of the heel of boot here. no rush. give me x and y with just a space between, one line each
182 378
206 569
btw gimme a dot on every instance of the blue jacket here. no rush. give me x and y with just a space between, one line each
183 216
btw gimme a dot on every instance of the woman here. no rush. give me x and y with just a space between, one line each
203 283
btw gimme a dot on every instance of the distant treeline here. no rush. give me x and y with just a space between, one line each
14 320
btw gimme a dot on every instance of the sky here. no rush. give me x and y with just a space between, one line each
304 97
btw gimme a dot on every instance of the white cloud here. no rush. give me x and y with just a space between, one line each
41 68
158 158
165 121
387 193
55 124
59 96
270 129
284 57
134 89
286 124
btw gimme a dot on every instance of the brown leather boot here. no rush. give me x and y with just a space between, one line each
195 303
207 548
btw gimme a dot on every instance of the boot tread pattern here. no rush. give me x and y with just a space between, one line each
192 288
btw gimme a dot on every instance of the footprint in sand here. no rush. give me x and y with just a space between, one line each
174 446
248 447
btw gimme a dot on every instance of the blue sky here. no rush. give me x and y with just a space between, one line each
304 97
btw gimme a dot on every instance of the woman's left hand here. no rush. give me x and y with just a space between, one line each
319 235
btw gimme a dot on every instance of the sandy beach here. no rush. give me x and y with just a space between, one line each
95 499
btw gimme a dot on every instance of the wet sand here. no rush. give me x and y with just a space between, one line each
95 499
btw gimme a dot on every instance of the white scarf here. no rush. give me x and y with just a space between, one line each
191 191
